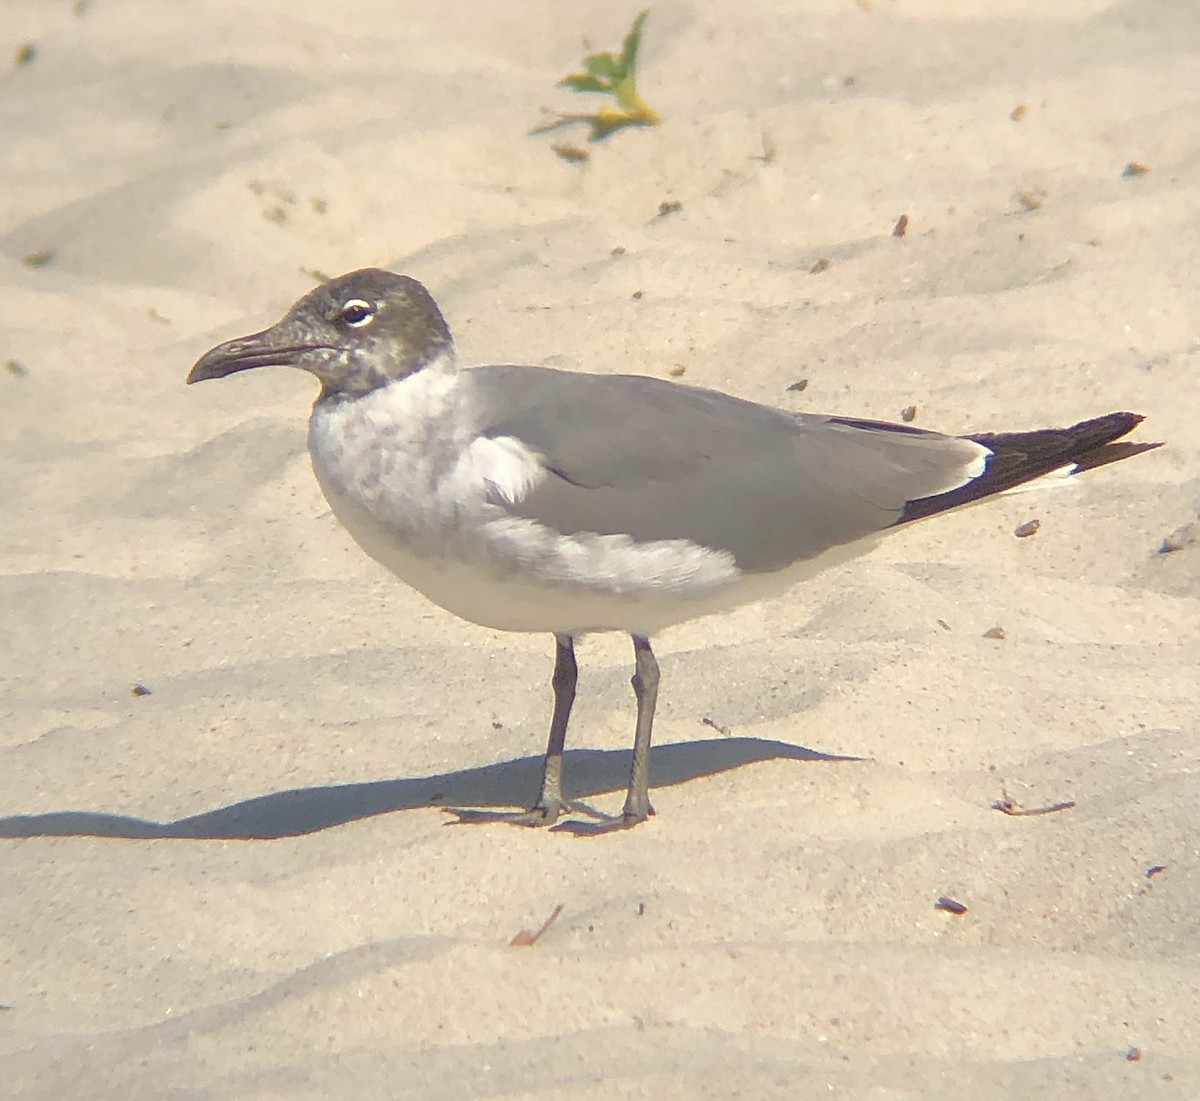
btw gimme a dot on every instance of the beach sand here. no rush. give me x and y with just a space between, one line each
238 883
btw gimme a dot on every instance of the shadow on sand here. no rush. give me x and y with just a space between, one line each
300 811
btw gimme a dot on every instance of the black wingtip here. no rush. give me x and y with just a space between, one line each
1019 457
1112 427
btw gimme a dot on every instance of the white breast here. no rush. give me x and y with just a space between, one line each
383 461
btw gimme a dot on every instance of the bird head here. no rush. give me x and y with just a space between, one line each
355 333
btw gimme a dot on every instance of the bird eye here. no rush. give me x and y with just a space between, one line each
356 313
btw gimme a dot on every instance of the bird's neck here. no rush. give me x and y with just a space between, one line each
432 374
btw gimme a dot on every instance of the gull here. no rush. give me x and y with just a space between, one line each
525 498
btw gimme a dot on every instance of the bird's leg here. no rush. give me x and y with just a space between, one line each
563 681
645 688
637 801
550 803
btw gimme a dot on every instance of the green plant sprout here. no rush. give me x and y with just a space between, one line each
614 75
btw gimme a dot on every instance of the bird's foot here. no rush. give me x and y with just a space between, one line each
543 814
606 823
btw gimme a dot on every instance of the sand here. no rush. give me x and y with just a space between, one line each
239 884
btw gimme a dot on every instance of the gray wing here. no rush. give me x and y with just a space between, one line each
658 460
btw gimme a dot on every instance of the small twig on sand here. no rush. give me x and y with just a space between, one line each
526 939
1008 805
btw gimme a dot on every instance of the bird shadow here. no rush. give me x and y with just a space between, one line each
300 811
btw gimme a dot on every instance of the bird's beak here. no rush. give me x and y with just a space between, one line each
257 350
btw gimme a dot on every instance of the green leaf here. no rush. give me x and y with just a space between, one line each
583 82
613 75
626 96
603 66
601 128
633 42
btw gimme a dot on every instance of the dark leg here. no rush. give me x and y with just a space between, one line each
645 688
637 801
550 803
566 674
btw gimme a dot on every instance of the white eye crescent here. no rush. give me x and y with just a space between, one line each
357 312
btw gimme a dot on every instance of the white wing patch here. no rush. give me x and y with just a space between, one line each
1056 478
1061 477
977 465
506 468
928 466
